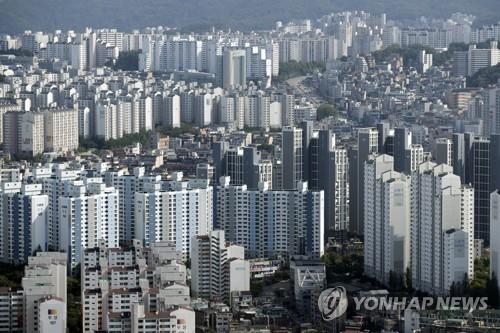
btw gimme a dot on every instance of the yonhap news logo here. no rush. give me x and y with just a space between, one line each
332 303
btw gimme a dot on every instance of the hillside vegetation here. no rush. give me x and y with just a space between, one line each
19 15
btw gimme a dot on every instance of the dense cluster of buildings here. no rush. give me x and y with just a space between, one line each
135 289
69 207
407 160
40 305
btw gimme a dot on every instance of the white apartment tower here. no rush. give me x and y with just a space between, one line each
495 233
171 115
387 219
122 118
441 207
115 280
176 215
414 155
218 268
227 109
142 114
234 69
23 133
23 220
109 121
258 112
287 103
55 187
61 130
127 185
45 279
271 223
203 105
87 214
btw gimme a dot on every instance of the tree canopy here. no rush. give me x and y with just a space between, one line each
49 15
325 110
484 77
410 53
126 140
293 69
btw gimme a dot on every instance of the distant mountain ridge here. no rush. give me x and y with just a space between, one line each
48 15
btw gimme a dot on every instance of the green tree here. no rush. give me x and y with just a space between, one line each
410 53
265 147
465 286
325 110
342 266
11 275
74 312
256 288
408 280
293 69
127 140
484 77
454 289
177 131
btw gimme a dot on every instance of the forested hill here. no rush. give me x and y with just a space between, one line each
48 15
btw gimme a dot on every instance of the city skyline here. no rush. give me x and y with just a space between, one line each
157 180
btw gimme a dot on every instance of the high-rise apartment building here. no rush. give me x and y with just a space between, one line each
490 110
187 106
11 310
127 185
55 185
387 200
259 111
218 268
142 113
234 68
203 109
7 105
325 167
135 288
402 141
23 133
475 59
61 130
32 133
442 229
287 103
292 157
176 214
444 151
270 223
367 145
23 221
44 290
472 162
171 114
494 233
88 213
414 155
480 163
